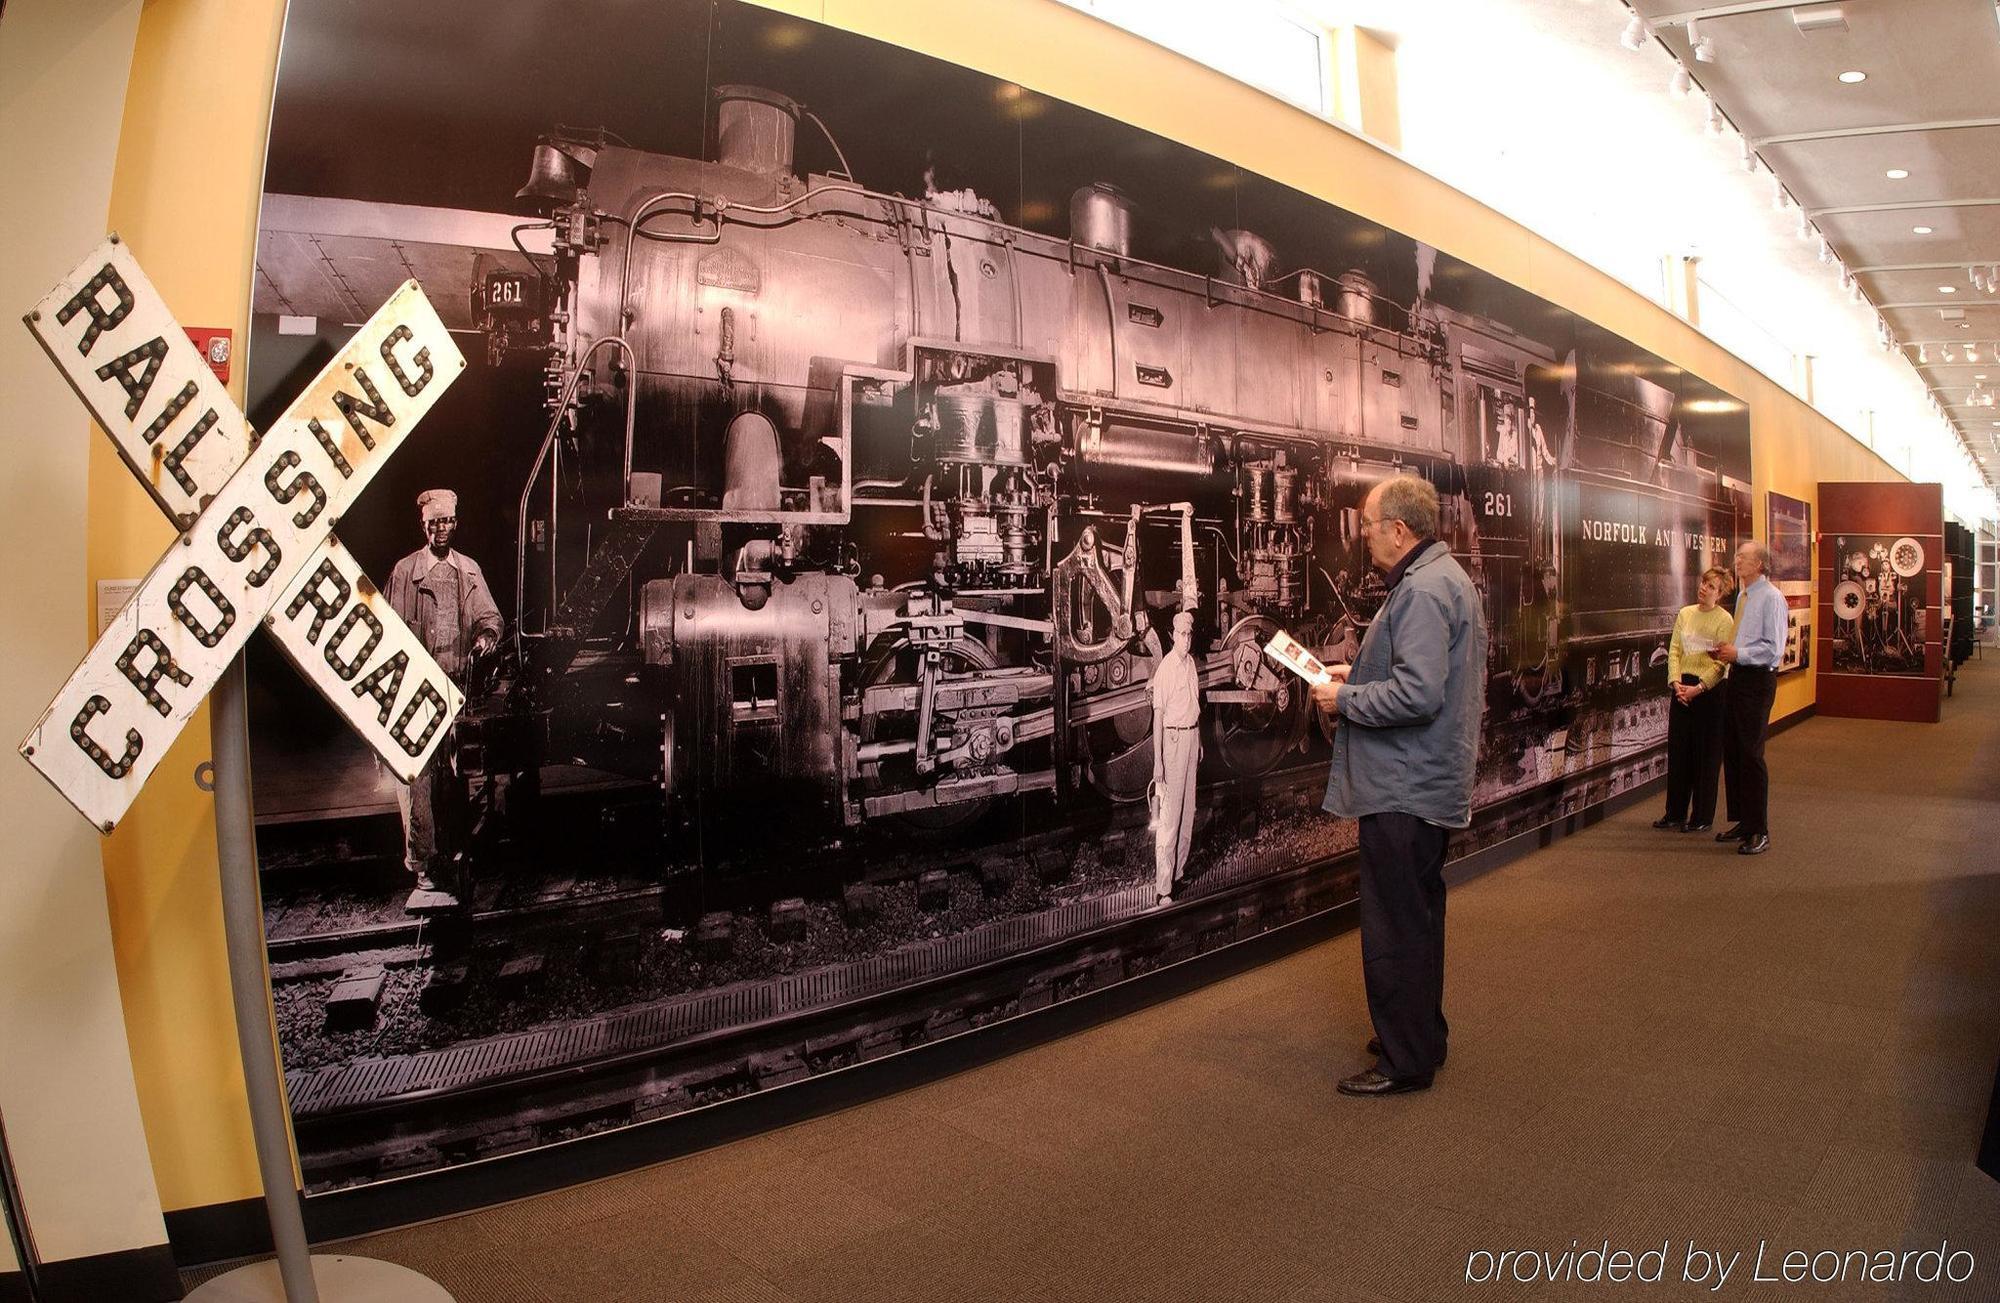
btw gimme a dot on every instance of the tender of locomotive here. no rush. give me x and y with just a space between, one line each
860 508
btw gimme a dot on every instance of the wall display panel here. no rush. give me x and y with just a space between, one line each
1881 558
1789 532
844 429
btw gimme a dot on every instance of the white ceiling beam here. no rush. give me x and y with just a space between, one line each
1925 266
1884 129
1723 11
1940 303
1902 206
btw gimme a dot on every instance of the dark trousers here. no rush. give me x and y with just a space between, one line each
1694 756
1402 940
1747 715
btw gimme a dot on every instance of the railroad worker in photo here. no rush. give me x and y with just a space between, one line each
1752 659
1404 754
1695 716
442 595
1176 689
1541 641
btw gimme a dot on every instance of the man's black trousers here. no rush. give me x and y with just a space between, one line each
1748 712
1402 940
1694 756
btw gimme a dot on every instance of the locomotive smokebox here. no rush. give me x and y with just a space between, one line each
1100 217
754 129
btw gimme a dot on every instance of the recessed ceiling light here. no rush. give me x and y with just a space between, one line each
1920 230
1947 289
1854 76
1898 173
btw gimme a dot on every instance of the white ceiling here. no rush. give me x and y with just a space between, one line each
1533 107
1930 106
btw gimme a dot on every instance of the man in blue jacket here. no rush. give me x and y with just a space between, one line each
1408 711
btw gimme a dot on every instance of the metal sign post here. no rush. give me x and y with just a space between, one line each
256 517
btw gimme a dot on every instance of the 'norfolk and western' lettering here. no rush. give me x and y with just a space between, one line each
249 553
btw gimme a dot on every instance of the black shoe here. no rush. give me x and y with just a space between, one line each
1375 1048
1372 1082
1755 845
1698 827
1666 823
1733 833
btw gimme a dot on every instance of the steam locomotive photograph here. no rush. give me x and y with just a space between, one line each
845 433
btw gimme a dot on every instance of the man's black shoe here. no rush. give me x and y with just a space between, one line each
1698 827
1375 1048
1372 1082
1756 845
1733 833
1666 823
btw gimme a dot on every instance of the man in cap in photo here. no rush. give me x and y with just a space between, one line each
442 595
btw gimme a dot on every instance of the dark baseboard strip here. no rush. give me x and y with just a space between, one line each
145 1275
14 1287
220 1232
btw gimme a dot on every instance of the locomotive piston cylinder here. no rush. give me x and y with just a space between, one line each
1115 452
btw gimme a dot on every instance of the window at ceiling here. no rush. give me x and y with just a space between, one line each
1258 42
1739 332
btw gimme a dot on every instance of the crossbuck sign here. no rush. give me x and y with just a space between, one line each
256 516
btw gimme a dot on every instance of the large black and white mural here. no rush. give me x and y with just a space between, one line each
843 433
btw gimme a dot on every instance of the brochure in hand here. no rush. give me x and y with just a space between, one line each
1296 657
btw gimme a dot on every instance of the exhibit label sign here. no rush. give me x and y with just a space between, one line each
258 548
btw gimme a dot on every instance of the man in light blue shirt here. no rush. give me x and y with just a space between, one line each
1761 615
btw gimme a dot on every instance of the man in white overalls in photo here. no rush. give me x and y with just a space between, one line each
442 595
1176 689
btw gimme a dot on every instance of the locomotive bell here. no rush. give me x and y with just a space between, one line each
1100 217
754 129
560 169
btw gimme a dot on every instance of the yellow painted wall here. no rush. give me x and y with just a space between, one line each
67 1088
187 203
184 197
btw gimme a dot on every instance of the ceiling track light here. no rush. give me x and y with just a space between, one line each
1748 156
1923 355
1682 82
1826 254
1704 49
1715 119
1633 37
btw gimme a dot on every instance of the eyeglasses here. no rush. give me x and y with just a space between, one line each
440 520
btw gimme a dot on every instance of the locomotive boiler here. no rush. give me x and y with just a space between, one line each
860 508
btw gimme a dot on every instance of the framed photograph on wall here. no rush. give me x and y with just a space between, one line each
1789 529
806 530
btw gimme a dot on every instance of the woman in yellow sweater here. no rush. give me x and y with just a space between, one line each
1694 720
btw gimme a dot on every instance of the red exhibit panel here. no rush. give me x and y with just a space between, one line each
1880 621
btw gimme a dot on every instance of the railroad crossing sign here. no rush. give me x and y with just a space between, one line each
256 516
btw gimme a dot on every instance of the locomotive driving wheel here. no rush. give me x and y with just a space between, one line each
1251 739
897 660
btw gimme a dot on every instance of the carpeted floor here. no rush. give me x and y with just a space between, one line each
1656 1043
